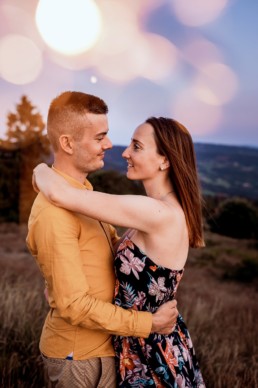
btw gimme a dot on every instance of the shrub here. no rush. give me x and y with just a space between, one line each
113 182
235 217
246 271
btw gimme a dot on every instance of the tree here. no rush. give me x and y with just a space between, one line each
9 185
235 217
25 127
25 133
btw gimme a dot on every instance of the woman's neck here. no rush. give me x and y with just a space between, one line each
158 190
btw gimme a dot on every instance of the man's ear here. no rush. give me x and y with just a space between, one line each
66 144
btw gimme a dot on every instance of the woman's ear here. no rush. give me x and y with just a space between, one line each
165 164
66 144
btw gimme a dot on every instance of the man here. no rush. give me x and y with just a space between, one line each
74 253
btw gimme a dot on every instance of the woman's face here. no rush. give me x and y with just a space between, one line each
142 157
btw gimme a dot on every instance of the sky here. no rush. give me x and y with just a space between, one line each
193 61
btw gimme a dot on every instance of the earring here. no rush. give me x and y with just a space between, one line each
161 168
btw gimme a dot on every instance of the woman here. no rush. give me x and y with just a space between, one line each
151 257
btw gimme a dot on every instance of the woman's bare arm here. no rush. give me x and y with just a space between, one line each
131 211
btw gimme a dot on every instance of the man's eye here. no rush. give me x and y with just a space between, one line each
136 146
100 138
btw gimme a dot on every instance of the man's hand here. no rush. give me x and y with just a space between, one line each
164 320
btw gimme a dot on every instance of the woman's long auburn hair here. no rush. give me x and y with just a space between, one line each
174 141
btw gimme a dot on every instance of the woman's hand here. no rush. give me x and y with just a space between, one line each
48 182
54 187
34 177
34 184
38 168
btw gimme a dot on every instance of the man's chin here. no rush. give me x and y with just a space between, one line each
99 165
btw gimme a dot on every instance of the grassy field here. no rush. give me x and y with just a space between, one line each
217 297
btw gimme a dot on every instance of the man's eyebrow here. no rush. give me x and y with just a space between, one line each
102 133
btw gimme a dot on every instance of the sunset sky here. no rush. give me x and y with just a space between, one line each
197 64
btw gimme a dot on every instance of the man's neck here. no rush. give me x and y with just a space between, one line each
67 169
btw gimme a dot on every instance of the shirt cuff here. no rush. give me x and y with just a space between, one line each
144 324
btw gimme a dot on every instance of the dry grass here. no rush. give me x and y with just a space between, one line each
221 320
220 314
22 314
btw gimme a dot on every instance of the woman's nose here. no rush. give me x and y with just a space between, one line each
125 154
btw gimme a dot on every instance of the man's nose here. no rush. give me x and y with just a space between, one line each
107 144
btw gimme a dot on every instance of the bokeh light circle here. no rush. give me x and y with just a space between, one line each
20 59
69 27
200 118
216 84
198 13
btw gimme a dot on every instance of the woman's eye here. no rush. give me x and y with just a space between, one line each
136 146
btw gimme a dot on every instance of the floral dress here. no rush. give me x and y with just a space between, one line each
159 360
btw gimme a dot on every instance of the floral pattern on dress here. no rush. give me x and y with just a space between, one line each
159 360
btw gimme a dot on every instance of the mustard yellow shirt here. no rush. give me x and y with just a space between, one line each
74 256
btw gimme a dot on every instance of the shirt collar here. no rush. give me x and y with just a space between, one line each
86 185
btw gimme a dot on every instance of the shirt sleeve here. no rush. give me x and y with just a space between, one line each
56 247
113 235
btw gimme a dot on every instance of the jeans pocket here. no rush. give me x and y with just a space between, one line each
54 367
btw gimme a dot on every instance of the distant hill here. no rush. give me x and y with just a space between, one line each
224 170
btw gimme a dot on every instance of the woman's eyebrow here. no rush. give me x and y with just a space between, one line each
136 141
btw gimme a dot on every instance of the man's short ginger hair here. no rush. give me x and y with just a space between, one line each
66 115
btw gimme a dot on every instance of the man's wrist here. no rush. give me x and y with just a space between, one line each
155 323
144 324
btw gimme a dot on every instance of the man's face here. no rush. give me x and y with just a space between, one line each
89 151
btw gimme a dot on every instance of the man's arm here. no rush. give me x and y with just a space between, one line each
164 320
59 258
